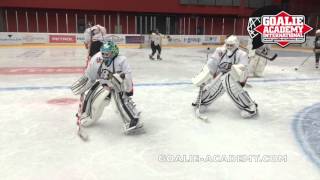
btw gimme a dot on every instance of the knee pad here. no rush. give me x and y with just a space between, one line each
253 64
96 100
261 65
239 72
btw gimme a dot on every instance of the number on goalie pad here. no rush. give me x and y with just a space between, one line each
202 77
96 100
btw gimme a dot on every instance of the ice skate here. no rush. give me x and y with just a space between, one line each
151 57
158 57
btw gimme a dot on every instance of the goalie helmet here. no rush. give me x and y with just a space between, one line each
318 33
109 51
90 24
232 43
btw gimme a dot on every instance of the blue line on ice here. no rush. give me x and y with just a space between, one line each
306 127
157 84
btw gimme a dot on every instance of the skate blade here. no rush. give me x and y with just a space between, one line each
201 117
248 85
83 135
132 129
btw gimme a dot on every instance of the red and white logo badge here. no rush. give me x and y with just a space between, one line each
283 29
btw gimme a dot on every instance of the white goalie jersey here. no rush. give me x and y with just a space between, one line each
221 60
97 70
94 33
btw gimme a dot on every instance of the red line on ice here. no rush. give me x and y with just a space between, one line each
40 70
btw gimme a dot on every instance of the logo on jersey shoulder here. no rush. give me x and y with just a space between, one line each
281 29
99 60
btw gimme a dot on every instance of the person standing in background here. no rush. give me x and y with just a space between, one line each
94 37
317 48
156 43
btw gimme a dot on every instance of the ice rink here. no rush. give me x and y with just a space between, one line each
38 126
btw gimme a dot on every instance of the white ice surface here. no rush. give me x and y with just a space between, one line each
38 140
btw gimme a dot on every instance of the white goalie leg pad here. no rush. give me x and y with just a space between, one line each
239 72
100 100
128 110
81 85
212 91
117 82
260 67
253 61
96 100
209 93
202 77
240 97
124 84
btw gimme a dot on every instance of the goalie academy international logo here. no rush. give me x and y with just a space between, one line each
281 29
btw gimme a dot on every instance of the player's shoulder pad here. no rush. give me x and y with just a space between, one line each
121 58
88 30
97 58
241 52
220 51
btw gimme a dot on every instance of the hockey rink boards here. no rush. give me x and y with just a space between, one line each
38 125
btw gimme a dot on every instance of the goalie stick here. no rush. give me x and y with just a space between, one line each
81 133
270 58
197 108
304 61
197 104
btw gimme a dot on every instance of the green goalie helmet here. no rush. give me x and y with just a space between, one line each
109 50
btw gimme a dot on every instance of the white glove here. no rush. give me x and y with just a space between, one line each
239 72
